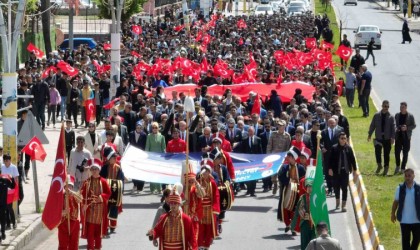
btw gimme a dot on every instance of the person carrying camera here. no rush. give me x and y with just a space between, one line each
78 159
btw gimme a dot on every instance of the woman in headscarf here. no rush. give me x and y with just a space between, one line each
406 32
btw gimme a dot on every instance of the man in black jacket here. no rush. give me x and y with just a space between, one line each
62 87
251 145
41 94
342 163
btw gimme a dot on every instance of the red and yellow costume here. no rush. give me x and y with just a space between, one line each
113 172
94 215
195 209
211 208
69 240
176 146
174 232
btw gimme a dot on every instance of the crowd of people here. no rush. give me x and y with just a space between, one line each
140 114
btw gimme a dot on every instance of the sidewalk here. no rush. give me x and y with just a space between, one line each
29 224
413 23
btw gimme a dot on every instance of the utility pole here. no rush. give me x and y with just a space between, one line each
9 96
71 15
116 12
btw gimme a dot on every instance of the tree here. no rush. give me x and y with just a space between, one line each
46 27
131 7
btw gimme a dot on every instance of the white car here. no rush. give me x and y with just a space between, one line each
297 4
295 10
365 33
350 2
263 9
304 3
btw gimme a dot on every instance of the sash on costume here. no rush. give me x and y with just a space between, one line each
116 187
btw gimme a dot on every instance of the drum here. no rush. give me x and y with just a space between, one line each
290 196
116 187
226 196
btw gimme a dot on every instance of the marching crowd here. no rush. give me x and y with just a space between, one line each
222 50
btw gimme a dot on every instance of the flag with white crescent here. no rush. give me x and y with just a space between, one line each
52 214
32 48
90 110
344 52
35 150
318 199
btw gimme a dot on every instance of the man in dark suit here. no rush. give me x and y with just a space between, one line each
251 145
122 130
204 141
233 135
138 138
329 137
265 136
129 116
304 122
202 100
258 128
70 138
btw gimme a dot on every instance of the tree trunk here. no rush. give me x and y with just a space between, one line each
45 4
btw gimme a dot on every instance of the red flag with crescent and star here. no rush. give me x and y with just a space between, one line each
52 214
90 110
32 48
66 68
35 150
344 52
256 107
136 29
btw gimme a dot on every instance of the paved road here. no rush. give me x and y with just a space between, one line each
395 78
251 225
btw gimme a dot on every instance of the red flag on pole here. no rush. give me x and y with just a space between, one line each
344 52
90 110
32 48
35 149
310 42
256 108
241 24
136 29
111 103
52 214
280 79
66 68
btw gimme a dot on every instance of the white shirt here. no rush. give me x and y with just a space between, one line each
11 170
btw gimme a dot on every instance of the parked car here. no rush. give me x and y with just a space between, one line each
350 2
264 9
364 33
77 41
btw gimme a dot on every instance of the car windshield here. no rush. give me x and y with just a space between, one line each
295 9
296 4
368 28
263 8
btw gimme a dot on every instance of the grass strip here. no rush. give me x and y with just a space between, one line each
380 189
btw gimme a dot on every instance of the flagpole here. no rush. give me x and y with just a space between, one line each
67 184
34 172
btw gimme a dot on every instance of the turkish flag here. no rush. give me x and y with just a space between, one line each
38 53
35 149
12 194
136 29
66 68
241 41
90 109
178 28
199 36
241 24
205 66
52 214
326 45
206 40
107 46
310 42
344 52
47 71
111 103
256 107
135 54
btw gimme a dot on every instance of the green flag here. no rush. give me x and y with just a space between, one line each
318 207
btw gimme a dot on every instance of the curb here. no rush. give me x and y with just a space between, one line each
385 8
26 236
